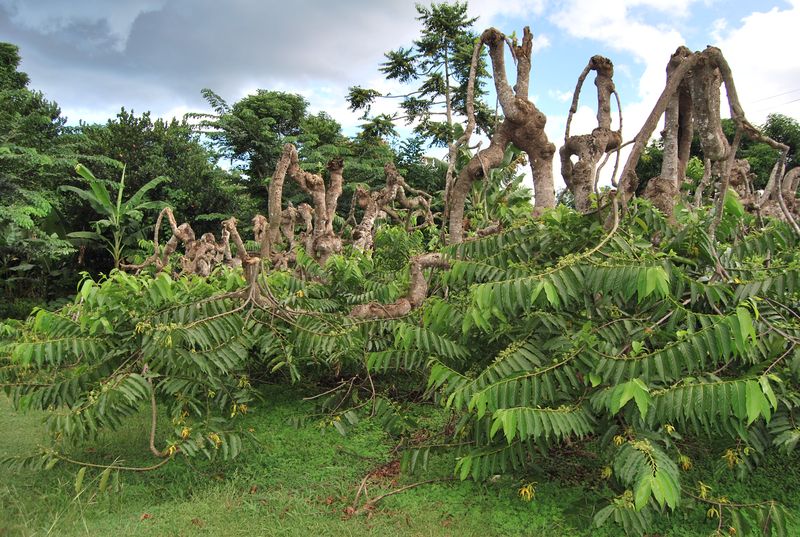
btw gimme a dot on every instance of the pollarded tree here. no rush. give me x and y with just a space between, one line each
691 101
523 125
581 176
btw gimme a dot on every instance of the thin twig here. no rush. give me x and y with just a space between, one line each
112 466
371 503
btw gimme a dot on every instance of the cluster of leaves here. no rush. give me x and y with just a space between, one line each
33 154
656 330
198 191
549 333
118 216
124 341
191 346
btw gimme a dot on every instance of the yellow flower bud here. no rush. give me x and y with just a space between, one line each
528 492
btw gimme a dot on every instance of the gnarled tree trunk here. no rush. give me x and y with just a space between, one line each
523 125
580 177
703 73
323 241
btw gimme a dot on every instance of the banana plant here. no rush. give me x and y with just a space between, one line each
502 197
118 215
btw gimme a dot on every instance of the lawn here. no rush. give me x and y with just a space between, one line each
301 481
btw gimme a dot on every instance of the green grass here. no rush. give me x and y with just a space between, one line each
300 481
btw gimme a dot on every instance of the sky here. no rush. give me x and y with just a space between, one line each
95 56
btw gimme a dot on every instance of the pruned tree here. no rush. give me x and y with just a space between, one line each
523 125
324 241
581 177
691 101
380 201
200 256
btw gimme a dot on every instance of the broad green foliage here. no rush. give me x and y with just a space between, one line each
193 345
34 157
122 219
629 342
97 361
199 191
551 333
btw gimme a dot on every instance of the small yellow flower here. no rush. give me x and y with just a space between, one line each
731 458
619 440
528 492
712 513
171 449
243 408
300 293
185 432
214 437
669 428
704 489
685 463
605 473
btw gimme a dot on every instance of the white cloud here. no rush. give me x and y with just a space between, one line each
718 28
560 96
612 23
540 42
766 68
677 8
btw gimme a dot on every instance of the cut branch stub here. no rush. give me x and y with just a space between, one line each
334 190
362 234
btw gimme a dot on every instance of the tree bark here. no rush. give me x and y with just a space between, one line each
523 126
589 148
